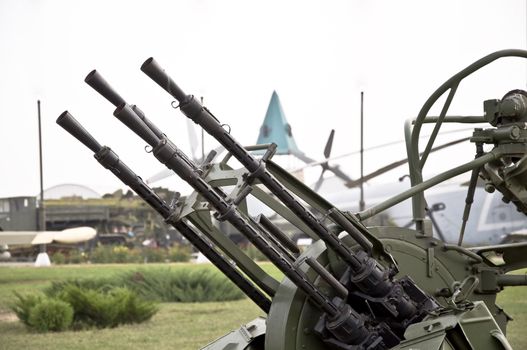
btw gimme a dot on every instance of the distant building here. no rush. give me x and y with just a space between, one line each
18 214
70 191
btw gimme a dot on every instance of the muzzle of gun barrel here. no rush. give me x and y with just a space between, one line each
71 125
96 81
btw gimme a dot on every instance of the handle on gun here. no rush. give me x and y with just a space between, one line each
151 68
96 81
71 125
128 117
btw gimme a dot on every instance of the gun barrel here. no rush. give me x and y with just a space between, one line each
192 108
99 84
128 117
71 125
96 81
374 279
512 280
151 68
167 153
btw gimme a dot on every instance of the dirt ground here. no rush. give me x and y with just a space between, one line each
6 316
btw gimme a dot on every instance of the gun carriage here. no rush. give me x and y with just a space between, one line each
356 287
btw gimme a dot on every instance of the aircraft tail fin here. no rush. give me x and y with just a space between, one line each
275 128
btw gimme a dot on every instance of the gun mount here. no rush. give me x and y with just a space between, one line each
356 287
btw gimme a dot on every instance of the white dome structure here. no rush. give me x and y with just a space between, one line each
70 190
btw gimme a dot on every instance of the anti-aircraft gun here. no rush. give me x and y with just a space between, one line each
356 287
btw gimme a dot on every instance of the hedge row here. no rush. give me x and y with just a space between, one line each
108 254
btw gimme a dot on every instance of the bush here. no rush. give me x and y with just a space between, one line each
161 284
102 255
134 256
152 255
51 315
120 254
97 284
94 303
23 305
58 258
130 308
181 285
76 257
180 253
107 309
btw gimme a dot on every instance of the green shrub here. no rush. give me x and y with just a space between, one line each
23 305
135 256
106 254
76 257
51 315
97 284
120 254
153 255
58 258
132 309
92 308
107 309
180 253
97 303
181 285
102 255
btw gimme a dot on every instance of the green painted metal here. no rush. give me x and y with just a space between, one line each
291 316
314 200
248 337
456 119
285 212
476 328
416 163
203 223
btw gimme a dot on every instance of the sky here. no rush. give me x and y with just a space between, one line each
318 56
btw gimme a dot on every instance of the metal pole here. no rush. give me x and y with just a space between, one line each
42 211
362 205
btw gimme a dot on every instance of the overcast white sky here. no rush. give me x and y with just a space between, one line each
318 56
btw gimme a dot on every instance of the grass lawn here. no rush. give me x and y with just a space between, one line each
181 326
176 326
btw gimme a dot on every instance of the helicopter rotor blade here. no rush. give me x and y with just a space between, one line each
345 155
335 169
386 168
320 180
329 144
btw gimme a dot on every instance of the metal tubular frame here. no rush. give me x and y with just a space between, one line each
412 131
